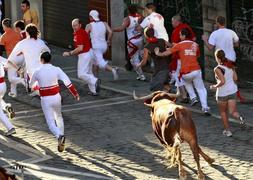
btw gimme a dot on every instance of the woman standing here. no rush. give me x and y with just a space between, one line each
226 89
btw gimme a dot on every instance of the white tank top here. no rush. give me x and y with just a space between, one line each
229 87
131 29
98 34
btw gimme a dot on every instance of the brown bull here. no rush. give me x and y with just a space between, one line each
172 124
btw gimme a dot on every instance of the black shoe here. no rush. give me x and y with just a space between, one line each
10 112
97 85
10 132
61 143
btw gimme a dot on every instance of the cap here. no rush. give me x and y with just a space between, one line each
94 14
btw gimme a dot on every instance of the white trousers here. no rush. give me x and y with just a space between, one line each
4 119
12 73
135 59
84 70
176 74
194 80
51 106
99 56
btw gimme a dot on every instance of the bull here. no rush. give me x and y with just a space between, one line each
172 125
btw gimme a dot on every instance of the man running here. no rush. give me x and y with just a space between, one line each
135 39
85 61
47 77
31 48
98 30
190 71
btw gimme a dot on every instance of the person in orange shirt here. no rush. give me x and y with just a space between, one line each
9 38
190 72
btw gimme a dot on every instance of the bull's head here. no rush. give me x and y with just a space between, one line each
156 96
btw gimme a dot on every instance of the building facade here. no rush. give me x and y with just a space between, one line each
56 19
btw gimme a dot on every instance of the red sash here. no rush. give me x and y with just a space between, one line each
132 45
49 91
1 79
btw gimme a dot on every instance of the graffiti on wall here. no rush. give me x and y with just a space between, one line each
243 26
190 10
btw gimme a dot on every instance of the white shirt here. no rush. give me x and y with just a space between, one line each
156 21
229 87
98 34
2 73
131 29
224 39
48 75
31 50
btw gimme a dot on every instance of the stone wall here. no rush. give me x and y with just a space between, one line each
211 9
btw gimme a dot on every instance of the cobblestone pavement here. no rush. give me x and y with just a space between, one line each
111 136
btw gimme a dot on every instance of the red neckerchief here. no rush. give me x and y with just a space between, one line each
228 64
135 15
152 40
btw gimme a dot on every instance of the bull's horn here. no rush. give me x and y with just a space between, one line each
173 95
143 97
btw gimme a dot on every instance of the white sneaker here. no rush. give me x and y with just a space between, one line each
141 78
227 133
115 73
13 95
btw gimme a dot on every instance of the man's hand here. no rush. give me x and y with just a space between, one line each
213 87
157 51
65 54
138 66
204 38
77 97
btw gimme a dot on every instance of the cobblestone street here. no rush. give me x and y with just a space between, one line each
110 136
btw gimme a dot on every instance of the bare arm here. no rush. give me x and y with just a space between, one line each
145 58
220 79
209 46
73 52
235 77
124 25
236 44
165 53
109 33
88 28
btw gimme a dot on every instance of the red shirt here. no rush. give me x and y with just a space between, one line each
81 37
175 38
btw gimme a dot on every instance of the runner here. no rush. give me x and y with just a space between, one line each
85 60
97 30
160 78
31 48
47 77
190 72
135 39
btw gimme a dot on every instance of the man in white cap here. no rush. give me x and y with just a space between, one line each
98 31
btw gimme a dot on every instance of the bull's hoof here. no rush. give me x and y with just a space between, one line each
182 175
211 161
201 176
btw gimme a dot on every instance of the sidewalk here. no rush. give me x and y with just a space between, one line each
127 83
